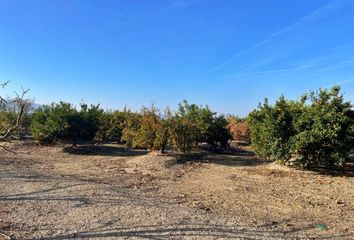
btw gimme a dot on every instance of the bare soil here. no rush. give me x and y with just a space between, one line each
110 192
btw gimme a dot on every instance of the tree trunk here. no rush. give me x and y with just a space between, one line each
163 148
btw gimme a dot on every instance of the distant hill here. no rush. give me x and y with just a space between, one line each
36 105
11 105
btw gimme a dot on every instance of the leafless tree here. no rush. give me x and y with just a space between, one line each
21 107
2 100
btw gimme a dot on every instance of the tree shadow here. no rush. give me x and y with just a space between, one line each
233 157
345 172
55 194
163 232
50 195
236 160
47 195
104 150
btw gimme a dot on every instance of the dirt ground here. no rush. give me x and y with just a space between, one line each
110 192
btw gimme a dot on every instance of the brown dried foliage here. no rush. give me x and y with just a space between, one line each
239 129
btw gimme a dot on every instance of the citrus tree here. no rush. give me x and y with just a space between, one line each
315 131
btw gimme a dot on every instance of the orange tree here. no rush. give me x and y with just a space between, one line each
315 131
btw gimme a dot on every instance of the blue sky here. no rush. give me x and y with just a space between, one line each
229 54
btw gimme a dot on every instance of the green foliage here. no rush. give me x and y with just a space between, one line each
149 126
201 117
47 124
316 131
182 133
88 120
146 129
105 126
130 128
218 132
271 129
7 119
325 130
62 122
189 126
111 126
207 126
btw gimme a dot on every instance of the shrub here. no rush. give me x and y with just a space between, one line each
271 129
208 127
218 133
196 115
149 126
89 121
117 123
7 120
131 127
163 134
111 126
104 127
147 129
62 122
45 125
182 133
316 131
325 132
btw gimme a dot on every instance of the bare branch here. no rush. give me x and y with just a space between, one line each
23 106
3 85
2 101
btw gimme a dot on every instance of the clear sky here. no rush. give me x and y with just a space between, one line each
229 54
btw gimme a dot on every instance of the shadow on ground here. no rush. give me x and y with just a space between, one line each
47 195
104 150
162 232
234 158
117 196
